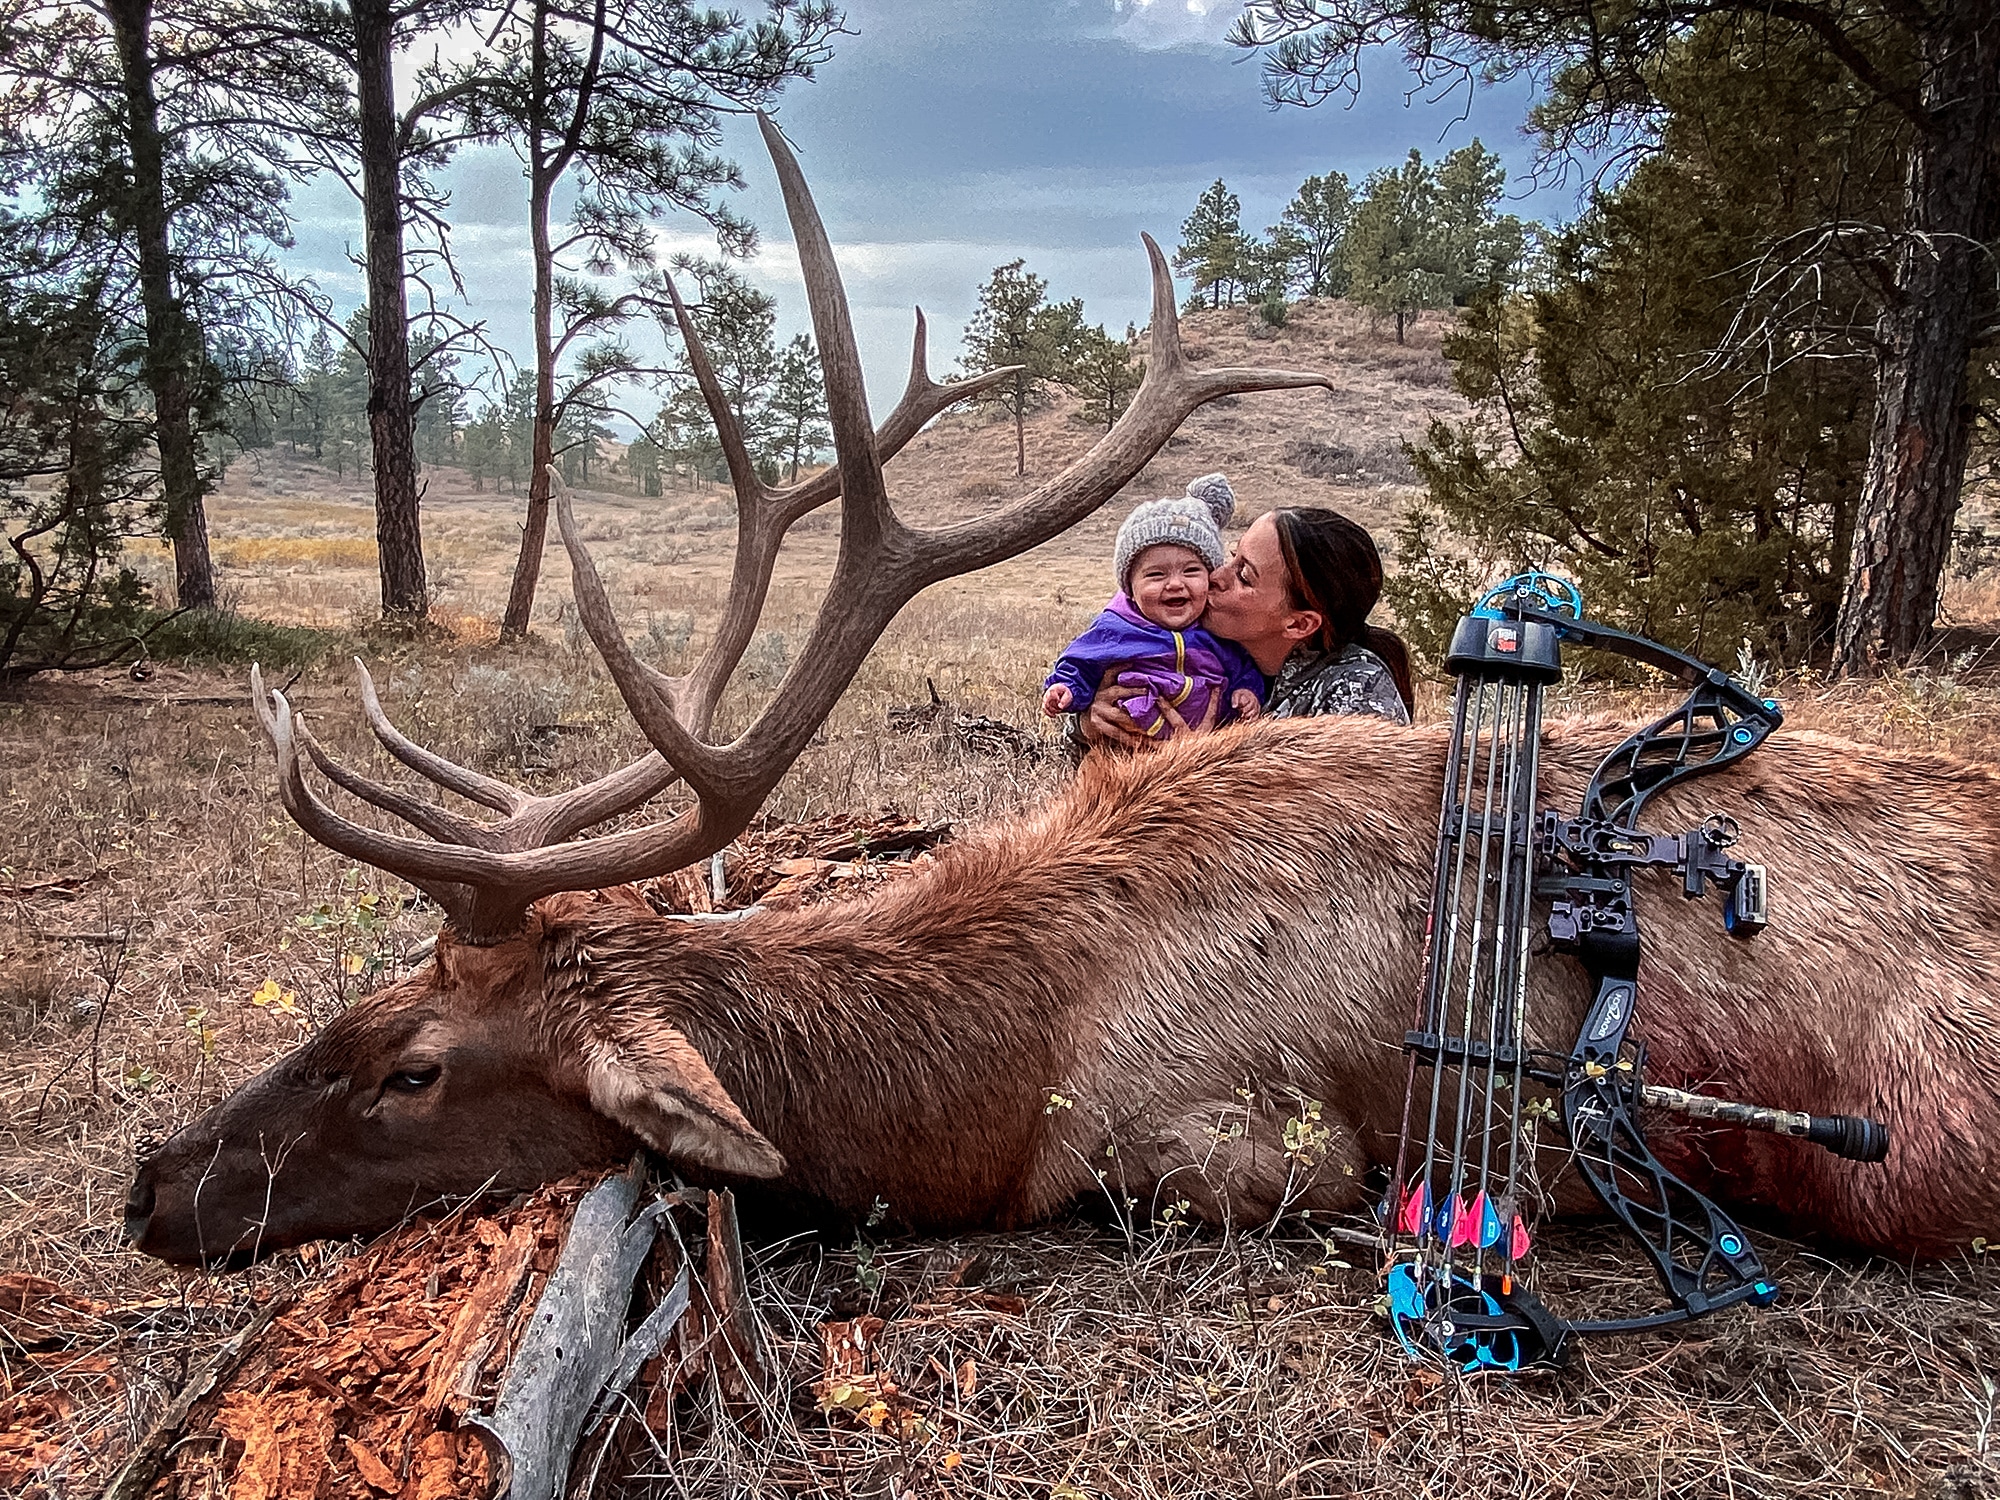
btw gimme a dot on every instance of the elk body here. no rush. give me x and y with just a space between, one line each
1170 935
1129 991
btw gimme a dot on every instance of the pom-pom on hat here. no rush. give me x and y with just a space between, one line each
1194 521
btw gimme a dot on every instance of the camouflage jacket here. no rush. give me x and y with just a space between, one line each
1352 680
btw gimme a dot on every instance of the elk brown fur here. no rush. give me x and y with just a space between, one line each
1177 944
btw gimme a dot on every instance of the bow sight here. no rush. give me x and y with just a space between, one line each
1456 1222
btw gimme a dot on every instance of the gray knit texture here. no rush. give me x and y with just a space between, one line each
1193 520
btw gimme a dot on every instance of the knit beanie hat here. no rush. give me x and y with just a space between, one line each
1194 521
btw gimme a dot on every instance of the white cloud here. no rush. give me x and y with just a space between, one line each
1154 24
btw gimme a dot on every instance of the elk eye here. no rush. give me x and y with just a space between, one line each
412 1080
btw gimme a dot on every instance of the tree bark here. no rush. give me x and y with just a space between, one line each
172 342
1922 425
535 526
391 417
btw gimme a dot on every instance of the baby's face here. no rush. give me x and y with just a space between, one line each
1169 585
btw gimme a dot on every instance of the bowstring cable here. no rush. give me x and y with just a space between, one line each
1473 972
1435 920
1447 963
1512 714
1532 739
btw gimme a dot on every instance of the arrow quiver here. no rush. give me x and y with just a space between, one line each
1461 1207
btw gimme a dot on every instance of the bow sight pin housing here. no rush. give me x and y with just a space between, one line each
1481 1097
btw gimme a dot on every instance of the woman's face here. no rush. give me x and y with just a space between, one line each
1250 597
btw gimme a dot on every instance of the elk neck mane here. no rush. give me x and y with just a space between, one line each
901 1000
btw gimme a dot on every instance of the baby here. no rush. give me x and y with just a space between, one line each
1150 630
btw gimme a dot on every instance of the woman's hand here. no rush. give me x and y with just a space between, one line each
1105 722
1176 725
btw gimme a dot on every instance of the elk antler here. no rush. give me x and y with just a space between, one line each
484 875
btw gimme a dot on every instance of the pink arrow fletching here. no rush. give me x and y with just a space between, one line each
1412 1218
1464 1223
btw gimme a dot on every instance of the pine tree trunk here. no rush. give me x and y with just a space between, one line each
391 419
535 527
172 343
1922 426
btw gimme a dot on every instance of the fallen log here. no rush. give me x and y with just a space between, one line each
572 1345
469 1357
798 864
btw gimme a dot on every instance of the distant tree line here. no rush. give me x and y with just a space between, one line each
1414 238
317 407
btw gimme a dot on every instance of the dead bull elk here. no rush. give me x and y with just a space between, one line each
1130 989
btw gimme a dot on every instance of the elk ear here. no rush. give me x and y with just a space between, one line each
663 1091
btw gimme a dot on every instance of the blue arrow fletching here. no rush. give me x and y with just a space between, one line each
1490 1227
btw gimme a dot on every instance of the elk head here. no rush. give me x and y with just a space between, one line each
479 1072
444 1083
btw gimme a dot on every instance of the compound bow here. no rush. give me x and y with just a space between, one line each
1457 1237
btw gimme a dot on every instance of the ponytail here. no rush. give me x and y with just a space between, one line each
1396 657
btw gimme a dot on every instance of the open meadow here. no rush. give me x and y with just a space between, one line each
166 932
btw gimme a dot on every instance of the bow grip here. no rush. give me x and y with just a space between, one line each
1855 1137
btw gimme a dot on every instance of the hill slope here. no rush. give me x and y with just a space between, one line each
296 542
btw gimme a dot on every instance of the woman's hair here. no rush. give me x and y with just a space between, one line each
1335 570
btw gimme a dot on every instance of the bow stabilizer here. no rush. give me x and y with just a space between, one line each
1479 1097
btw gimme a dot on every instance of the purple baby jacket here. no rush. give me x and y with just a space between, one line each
1180 668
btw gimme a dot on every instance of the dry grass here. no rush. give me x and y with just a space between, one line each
1175 1365
151 889
312 552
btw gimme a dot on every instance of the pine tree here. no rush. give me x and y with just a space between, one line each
1105 372
75 473
798 416
1212 247
1391 247
1318 216
1016 324
1478 249
1703 497
483 447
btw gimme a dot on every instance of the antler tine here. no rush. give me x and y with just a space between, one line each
867 519
1163 343
482 892
649 695
428 764
439 822
323 825
750 489
760 534
924 398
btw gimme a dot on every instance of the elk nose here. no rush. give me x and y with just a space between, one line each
138 1208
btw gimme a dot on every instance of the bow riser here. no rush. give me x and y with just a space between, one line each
1479 1093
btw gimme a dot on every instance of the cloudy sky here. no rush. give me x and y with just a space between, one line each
947 137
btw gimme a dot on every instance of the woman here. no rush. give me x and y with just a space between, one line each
1296 595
